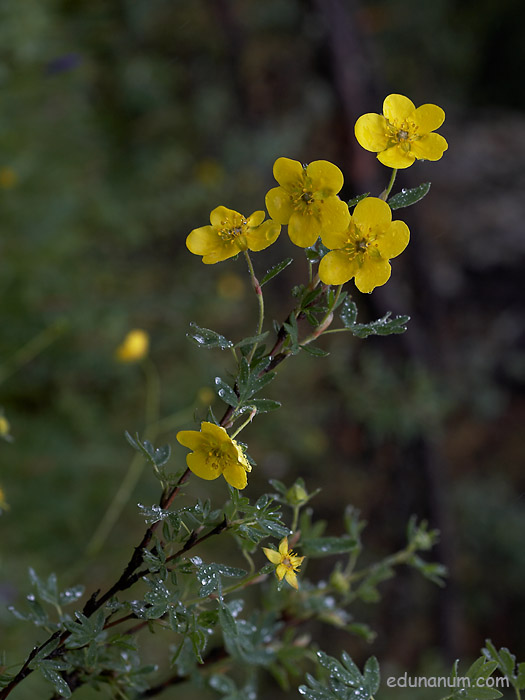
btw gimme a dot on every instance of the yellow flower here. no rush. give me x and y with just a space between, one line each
8 178
287 563
364 249
231 286
307 199
215 453
230 233
3 503
4 425
134 347
404 133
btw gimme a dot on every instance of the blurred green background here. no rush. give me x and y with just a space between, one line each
122 124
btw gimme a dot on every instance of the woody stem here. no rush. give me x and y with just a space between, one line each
260 299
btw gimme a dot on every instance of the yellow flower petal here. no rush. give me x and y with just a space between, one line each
241 457
190 438
215 431
291 578
202 241
430 147
223 251
222 216
371 132
428 118
279 205
394 241
334 215
264 235
303 230
334 239
372 274
235 475
396 157
397 108
326 177
272 555
296 561
255 219
281 571
372 212
288 173
283 547
337 267
203 467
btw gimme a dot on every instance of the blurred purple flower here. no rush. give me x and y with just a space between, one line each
64 63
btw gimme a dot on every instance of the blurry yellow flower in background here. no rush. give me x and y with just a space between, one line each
231 286
205 395
214 453
286 562
209 172
3 504
5 428
134 347
8 178
402 133
364 249
307 199
230 233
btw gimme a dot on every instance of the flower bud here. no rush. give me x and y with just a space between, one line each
297 495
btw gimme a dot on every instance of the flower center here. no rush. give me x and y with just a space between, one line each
286 562
230 234
303 200
214 458
307 197
402 135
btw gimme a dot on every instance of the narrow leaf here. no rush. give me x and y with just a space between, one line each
265 405
56 680
327 546
315 351
352 202
275 270
226 393
348 313
406 198
206 338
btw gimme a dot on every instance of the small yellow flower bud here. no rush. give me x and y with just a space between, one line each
134 347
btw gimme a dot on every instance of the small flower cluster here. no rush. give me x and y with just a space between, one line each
306 200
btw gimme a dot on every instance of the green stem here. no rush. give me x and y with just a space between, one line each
384 194
230 589
136 466
400 557
243 425
295 520
31 349
326 320
260 299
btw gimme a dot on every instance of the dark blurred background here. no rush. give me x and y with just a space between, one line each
122 124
